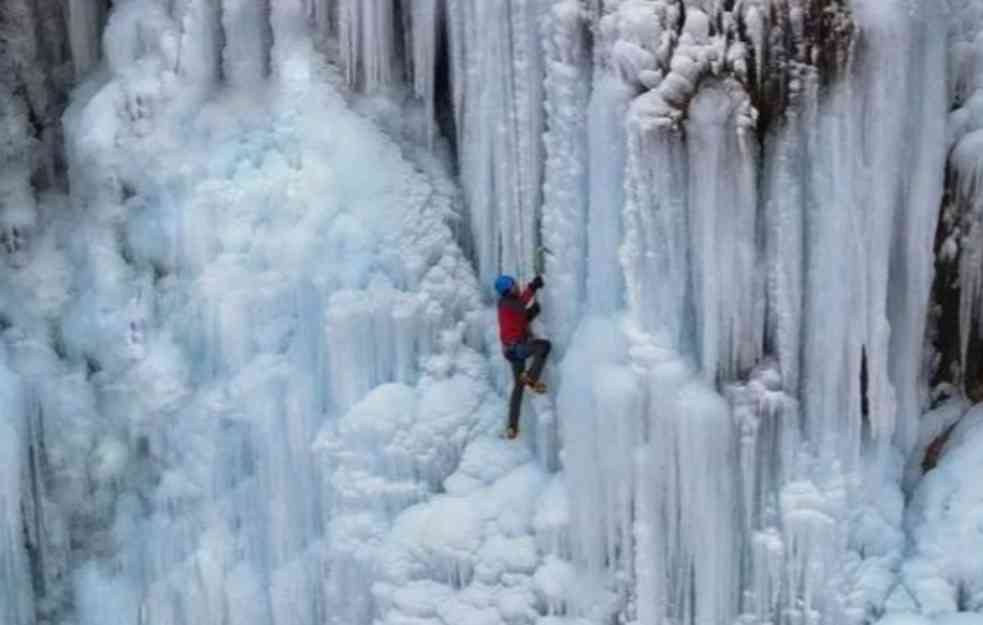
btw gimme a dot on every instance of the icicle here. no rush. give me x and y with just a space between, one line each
911 260
601 403
425 21
500 129
656 266
785 224
565 187
687 503
85 21
368 42
832 344
677 236
17 591
245 23
201 41
324 16
608 144
728 289
757 28
529 119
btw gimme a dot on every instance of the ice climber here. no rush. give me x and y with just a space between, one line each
518 343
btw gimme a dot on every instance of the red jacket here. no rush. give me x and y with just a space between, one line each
514 317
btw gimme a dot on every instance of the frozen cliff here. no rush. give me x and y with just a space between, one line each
249 371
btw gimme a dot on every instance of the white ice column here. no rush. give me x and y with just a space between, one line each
16 589
367 36
767 423
245 59
654 250
497 71
565 189
728 286
529 120
200 23
608 145
834 230
920 187
785 196
649 461
425 34
688 518
601 401
872 209
292 44
879 211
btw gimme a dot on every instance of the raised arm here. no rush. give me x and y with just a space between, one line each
530 291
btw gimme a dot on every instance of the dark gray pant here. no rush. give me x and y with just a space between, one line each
539 349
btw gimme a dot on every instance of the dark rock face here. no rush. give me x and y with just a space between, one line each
37 69
935 449
45 45
822 42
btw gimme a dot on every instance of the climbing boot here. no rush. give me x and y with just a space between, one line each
535 385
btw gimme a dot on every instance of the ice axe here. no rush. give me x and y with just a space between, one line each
539 261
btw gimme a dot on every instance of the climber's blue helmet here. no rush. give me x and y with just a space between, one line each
504 284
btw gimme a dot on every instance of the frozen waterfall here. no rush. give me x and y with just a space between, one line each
249 370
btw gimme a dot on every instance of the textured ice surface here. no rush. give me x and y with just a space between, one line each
753 219
248 376
17 596
238 269
943 573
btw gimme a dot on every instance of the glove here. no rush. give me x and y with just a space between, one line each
537 283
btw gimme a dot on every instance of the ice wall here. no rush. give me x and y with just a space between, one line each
231 273
771 231
566 195
732 179
266 386
487 43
